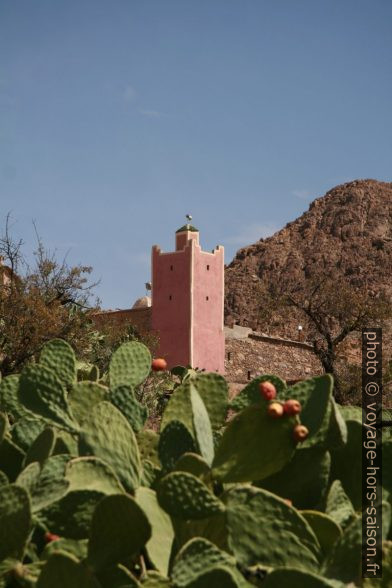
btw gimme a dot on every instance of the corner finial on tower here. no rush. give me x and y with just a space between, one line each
188 218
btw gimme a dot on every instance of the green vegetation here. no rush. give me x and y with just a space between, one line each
222 496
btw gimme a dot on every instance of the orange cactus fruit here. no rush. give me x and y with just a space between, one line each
292 407
267 390
275 410
159 364
300 433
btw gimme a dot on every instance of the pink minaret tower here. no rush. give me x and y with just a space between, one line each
187 303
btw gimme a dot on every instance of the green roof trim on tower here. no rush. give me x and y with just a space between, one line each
187 228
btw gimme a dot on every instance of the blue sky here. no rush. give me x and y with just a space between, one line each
118 117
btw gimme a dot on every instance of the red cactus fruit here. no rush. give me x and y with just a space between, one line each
49 537
275 410
300 433
292 407
159 364
267 390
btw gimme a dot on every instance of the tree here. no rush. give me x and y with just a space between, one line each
333 308
37 304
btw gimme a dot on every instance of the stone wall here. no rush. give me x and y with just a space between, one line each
140 318
251 356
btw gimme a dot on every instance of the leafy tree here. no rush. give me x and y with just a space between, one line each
49 299
332 309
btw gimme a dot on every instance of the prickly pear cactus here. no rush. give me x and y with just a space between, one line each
124 399
130 365
58 356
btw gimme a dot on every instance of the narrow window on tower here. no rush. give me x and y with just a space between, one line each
206 297
170 297
171 268
208 267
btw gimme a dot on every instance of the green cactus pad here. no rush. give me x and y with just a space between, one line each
11 459
59 356
184 496
202 426
179 407
3 426
130 365
213 390
120 449
63 570
119 529
159 545
71 516
42 447
65 443
325 528
351 454
304 480
46 485
26 430
344 561
15 521
148 446
9 402
315 397
193 464
41 391
253 515
337 432
83 396
174 441
293 578
124 399
338 505
197 557
91 473
254 446
251 393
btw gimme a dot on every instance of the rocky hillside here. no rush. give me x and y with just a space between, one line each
349 231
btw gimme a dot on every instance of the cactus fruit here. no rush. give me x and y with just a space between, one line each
267 390
275 410
292 407
159 364
300 433
251 393
49 537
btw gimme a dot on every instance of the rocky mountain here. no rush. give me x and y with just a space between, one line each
348 230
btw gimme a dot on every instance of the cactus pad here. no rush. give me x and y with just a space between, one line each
130 365
197 557
15 521
325 529
158 550
184 496
91 473
42 447
59 356
124 399
293 578
119 529
174 441
251 393
213 390
202 426
119 449
83 396
42 392
253 515
64 570
253 446
338 505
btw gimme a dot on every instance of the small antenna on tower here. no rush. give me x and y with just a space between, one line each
189 218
